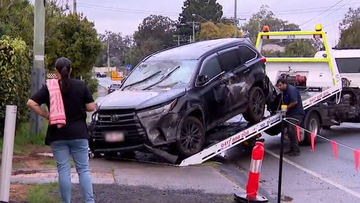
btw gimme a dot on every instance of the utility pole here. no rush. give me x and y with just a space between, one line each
74 6
108 52
38 70
193 27
235 19
178 39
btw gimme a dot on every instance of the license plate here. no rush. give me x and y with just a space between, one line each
114 137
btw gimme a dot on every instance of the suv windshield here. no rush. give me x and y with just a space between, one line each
161 74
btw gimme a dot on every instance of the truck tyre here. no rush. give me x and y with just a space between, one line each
192 137
312 124
256 106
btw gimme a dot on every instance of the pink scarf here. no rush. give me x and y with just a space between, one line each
57 111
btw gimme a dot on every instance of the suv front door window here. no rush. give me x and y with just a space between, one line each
213 107
210 68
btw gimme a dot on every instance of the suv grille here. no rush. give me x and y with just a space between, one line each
120 120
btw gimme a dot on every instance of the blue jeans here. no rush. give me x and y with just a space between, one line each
78 149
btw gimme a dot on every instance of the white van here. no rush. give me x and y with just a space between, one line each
348 62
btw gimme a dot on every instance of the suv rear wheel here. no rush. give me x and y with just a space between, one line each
192 137
256 106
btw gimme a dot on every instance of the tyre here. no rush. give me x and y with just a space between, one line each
256 107
312 124
192 137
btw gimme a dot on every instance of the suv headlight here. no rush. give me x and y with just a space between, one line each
158 111
93 114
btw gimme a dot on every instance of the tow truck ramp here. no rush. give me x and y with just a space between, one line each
322 74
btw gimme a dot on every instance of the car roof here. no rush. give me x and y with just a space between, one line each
195 50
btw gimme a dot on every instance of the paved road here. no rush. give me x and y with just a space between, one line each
313 177
106 82
120 181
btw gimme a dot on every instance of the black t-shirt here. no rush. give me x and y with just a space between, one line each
75 100
291 94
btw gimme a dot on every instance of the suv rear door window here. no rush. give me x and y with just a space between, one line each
211 67
229 60
246 53
348 65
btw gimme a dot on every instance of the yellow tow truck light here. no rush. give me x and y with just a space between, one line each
318 27
266 28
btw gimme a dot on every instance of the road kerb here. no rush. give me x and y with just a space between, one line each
43 177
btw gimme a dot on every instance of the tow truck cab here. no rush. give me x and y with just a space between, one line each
345 107
348 62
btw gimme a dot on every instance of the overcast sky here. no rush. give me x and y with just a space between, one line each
125 15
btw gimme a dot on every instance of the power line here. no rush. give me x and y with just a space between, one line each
279 12
334 11
321 13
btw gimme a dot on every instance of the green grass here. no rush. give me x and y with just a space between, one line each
43 193
52 162
24 139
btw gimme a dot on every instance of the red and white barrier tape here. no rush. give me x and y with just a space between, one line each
333 143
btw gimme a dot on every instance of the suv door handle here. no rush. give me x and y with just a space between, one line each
247 70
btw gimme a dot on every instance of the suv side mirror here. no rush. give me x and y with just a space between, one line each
202 79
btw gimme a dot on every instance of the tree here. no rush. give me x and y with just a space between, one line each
154 33
17 19
198 11
210 30
77 40
265 17
350 29
300 48
118 47
229 21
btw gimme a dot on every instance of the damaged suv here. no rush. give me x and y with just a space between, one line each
173 97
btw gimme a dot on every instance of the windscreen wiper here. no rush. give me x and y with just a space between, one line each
163 78
143 80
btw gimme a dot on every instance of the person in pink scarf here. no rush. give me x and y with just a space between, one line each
68 100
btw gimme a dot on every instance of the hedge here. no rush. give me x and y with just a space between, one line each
15 71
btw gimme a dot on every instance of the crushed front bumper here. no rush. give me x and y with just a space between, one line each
141 131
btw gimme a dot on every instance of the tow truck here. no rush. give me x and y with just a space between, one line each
317 78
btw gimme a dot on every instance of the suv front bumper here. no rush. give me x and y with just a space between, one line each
140 131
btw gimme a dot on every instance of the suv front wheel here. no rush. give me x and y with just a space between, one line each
192 137
256 107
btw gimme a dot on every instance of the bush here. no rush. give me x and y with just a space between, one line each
92 83
15 74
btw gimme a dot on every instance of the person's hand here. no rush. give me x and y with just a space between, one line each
46 115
